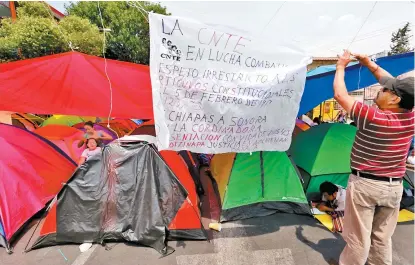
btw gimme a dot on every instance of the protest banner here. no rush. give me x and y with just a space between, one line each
216 90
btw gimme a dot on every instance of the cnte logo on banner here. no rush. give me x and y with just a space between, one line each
169 50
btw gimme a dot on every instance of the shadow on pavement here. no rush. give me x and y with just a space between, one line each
324 246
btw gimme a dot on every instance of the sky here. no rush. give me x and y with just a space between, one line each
319 28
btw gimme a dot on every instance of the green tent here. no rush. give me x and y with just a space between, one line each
257 184
322 153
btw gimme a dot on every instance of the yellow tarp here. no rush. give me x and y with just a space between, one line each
325 220
405 216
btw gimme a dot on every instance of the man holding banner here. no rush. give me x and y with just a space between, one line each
378 163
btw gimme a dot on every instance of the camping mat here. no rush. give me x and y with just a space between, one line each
325 219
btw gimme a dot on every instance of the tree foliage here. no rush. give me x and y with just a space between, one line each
33 9
400 40
84 36
35 33
129 38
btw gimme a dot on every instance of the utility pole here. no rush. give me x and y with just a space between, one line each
12 10
13 13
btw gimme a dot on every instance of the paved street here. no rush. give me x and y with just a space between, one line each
278 239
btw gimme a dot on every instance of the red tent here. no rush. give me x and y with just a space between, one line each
187 223
73 83
32 171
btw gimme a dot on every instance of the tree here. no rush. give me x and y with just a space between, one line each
129 38
84 36
400 40
35 33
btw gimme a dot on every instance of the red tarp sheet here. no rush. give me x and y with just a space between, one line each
73 83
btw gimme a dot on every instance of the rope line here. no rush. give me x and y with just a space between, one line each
364 22
105 63
273 16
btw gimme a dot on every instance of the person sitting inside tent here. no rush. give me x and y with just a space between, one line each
90 132
334 202
92 149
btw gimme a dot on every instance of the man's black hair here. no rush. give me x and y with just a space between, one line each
406 104
328 187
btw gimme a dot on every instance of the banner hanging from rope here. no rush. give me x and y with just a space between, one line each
218 90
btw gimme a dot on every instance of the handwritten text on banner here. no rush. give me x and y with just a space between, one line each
216 90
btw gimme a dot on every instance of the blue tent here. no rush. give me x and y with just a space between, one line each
319 83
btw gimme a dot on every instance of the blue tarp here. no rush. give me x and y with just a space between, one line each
319 85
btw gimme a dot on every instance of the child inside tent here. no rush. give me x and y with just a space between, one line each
92 149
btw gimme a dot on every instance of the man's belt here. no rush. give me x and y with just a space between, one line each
373 177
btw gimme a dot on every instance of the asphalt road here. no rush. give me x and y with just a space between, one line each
277 239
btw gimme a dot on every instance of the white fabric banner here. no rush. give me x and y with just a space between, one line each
217 90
